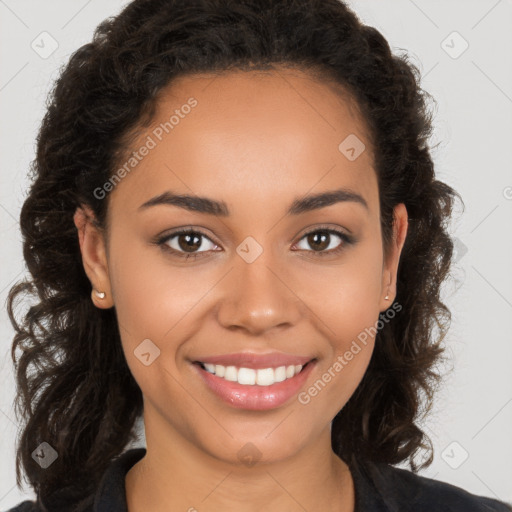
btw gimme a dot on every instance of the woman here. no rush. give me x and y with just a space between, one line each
235 231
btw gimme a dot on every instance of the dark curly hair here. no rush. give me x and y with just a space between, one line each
74 388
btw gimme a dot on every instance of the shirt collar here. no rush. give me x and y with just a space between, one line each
111 494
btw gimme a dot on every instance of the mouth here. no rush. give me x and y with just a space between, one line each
260 388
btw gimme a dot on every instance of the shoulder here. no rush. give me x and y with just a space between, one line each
59 502
108 497
401 489
26 506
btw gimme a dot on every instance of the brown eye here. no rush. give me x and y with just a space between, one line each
323 241
319 240
189 242
186 243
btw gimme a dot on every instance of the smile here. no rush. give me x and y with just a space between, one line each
270 383
250 376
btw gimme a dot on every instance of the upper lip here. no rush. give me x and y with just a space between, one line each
256 361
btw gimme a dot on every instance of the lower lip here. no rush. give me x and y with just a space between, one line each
256 398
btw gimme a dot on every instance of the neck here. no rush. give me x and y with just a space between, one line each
176 475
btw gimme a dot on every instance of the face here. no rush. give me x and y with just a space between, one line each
262 278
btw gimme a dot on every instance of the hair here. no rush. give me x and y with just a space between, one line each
74 388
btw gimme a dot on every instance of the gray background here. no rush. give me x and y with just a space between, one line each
472 416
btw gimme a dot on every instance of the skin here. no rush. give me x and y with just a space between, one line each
256 141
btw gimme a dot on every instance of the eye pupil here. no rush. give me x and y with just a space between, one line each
312 240
189 244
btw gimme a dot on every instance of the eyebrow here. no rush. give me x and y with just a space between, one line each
220 208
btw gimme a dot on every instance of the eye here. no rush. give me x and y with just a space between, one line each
321 240
185 243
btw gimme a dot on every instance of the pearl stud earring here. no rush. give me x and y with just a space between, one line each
100 295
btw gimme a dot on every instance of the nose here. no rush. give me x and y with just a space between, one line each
259 297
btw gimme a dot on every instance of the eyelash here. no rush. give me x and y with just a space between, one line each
162 242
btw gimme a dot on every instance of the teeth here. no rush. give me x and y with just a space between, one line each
231 374
210 367
247 376
265 377
250 377
280 374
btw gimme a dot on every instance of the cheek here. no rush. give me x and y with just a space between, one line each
346 296
152 302
151 295
352 331
335 383
149 301
346 299
159 301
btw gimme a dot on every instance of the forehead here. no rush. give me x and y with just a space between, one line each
271 133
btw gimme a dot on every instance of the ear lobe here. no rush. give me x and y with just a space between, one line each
92 247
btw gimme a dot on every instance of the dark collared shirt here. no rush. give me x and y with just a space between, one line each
378 488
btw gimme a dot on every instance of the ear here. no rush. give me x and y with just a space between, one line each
94 255
390 267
